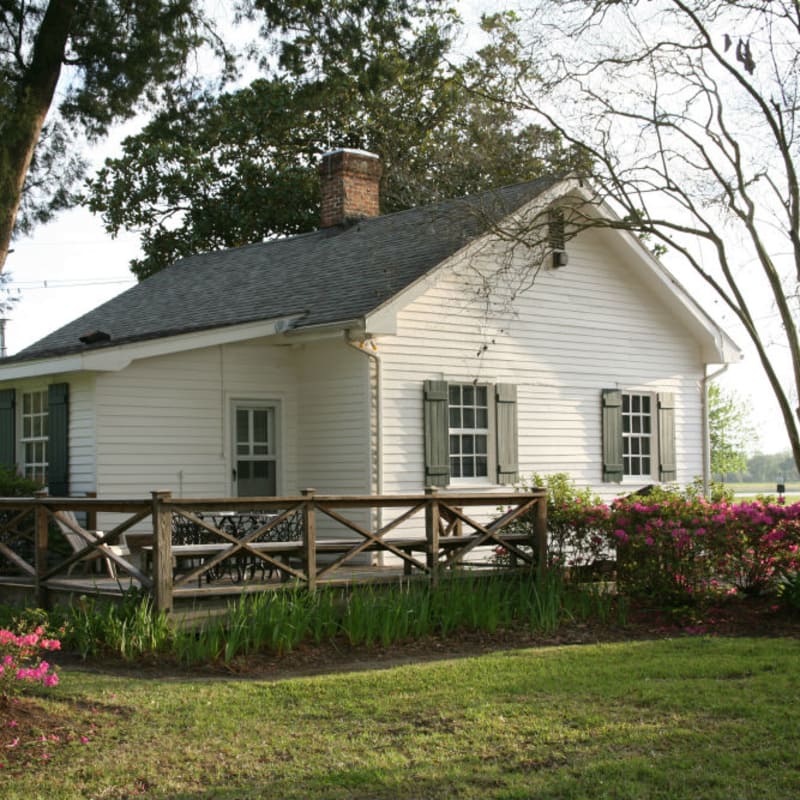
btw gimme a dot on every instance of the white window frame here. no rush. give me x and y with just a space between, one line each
633 435
276 456
33 432
475 430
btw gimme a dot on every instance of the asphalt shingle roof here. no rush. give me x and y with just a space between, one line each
328 276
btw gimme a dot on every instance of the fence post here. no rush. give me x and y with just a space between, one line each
40 548
91 514
540 534
162 551
310 538
432 533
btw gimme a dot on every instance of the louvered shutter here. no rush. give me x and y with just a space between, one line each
8 437
437 444
667 463
612 435
507 433
58 439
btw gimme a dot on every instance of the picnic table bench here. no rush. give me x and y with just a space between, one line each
244 564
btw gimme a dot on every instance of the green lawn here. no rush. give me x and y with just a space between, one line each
684 718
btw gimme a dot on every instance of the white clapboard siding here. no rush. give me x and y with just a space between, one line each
82 434
333 398
579 329
164 422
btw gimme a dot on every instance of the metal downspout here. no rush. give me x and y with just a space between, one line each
707 428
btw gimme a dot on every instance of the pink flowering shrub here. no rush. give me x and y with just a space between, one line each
577 524
683 548
663 547
673 546
21 661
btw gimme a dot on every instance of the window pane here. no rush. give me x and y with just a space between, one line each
626 403
469 469
468 395
636 424
455 417
26 427
645 424
27 400
454 444
645 466
646 403
455 394
480 444
467 445
480 396
242 425
468 417
636 403
481 467
645 447
482 419
455 467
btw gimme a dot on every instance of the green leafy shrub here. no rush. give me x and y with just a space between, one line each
14 485
19 540
577 523
789 591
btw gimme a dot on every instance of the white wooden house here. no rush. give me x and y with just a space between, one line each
364 358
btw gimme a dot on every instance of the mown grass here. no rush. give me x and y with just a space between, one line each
693 717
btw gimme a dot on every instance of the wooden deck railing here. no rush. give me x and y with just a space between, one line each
426 533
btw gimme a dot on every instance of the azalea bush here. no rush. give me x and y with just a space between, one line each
673 545
22 660
577 523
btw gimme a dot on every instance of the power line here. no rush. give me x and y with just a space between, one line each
69 284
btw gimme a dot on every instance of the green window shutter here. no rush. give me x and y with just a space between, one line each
8 437
667 463
612 436
436 427
58 439
507 433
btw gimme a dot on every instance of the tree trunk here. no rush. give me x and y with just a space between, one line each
23 126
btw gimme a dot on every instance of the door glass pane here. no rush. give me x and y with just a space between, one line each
260 428
242 427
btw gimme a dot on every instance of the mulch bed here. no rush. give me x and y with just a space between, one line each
29 733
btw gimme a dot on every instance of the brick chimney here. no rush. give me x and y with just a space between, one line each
350 181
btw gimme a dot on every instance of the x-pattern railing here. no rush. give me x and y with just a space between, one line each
454 526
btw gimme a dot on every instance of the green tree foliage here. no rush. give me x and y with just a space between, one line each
68 69
731 432
220 171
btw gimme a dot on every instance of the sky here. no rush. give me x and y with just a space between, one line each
72 265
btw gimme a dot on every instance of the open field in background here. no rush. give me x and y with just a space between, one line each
711 718
750 489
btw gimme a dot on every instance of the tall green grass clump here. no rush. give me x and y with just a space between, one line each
130 630
367 615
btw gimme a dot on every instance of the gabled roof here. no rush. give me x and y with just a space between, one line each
330 276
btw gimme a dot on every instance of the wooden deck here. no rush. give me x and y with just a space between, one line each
419 537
